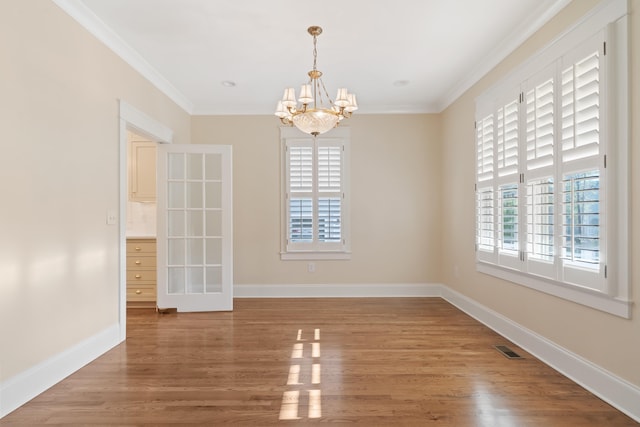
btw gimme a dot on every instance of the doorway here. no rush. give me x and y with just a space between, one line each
194 220
133 121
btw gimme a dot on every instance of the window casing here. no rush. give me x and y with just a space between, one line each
315 195
552 168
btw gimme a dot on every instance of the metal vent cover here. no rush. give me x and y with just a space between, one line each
507 352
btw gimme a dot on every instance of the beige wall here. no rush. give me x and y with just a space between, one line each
58 176
395 211
607 340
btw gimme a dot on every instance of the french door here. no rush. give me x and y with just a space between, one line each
195 265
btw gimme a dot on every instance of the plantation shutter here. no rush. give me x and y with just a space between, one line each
582 151
300 180
485 226
539 117
541 105
581 109
507 139
485 192
541 227
484 144
329 192
315 194
560 200
506 178
508 220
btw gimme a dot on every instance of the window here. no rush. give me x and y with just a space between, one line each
315 195
552 168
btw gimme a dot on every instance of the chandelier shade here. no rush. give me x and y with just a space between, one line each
313 112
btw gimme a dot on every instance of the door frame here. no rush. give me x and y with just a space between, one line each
139 122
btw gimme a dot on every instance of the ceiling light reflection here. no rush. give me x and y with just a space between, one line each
490 409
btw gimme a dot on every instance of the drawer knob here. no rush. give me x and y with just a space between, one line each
138 262
138 291
138 248
138 276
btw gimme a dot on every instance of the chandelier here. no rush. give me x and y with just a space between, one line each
317 113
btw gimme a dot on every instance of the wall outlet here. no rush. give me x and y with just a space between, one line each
311 267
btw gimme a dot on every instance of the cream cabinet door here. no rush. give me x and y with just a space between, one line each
142 171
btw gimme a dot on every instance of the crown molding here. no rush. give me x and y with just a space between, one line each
546 10
86 18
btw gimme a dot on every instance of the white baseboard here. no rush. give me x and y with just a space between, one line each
18 390
337 290
607 386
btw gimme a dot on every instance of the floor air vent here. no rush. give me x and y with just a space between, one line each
507 352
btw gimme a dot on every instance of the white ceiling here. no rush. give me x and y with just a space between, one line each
398 56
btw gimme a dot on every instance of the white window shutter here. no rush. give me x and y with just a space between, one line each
560 200
507 138
300 160
329 168
540 124
330 192
315 199
486 225
581 109
484 144
582 187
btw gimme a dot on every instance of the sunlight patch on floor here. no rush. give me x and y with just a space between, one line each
297 393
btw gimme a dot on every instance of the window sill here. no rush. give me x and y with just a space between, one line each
583 296
314 255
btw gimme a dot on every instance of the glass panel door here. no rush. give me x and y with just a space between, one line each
194 228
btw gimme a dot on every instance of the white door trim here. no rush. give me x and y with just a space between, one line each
131 119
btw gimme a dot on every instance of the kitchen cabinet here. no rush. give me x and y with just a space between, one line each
141 273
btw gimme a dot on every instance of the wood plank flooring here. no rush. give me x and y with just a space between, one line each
366 361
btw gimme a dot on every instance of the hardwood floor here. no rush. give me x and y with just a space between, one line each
374 362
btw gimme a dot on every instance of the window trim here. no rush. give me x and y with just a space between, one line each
343 252
610 17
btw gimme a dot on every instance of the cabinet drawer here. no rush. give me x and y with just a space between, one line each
141 293
139 276
134 262
141 247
